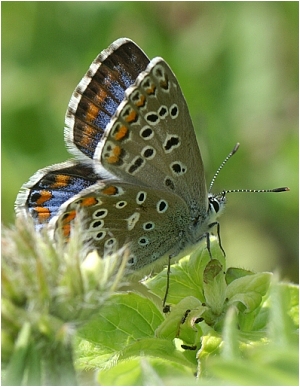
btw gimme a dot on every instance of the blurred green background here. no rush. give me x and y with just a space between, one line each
237 63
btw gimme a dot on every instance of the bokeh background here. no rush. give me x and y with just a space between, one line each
237 63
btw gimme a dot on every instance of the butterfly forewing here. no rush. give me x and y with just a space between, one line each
98 95
152 141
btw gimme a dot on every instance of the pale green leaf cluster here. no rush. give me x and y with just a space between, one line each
69 320
216 317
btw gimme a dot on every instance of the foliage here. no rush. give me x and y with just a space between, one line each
223 326
48 290
66 320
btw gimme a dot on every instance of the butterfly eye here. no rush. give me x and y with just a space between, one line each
214 205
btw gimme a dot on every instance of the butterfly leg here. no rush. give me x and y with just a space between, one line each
208 244
219 239
166 307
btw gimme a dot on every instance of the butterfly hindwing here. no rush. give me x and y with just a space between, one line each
49 188
116 214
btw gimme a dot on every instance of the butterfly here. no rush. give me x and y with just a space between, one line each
137 176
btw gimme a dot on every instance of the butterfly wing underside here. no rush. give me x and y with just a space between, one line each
151 139
133 179
117 214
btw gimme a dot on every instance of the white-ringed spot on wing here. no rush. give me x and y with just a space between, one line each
162 206
136 164
110 243
143 241
178 168
99 235
141 197
132 220
174 111
148 152
169 183
132 260
99 214
96 224
121 204
152 118
155 256
172 142
163 112
148 226
146 133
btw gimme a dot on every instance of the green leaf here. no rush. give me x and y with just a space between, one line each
230 335
126 318
284 301
143 371
17 365
183 283
186 276
281 369
233 273
248 290
214 286
171 327
159 348
211 344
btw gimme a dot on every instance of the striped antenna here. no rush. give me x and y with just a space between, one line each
281 189
222 165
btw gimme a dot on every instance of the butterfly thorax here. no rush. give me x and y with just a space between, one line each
201 225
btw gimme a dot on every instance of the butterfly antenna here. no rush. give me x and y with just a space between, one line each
222 165
281 189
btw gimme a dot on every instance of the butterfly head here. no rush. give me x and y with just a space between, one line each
216 205
216 202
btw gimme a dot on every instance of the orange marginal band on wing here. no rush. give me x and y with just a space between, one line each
60 181
151 89
88 202
115 156
131 116
66 227
111 190
92 112
67 218
66 230
44 197
141 101
88 133
100 96
122 132
43 213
